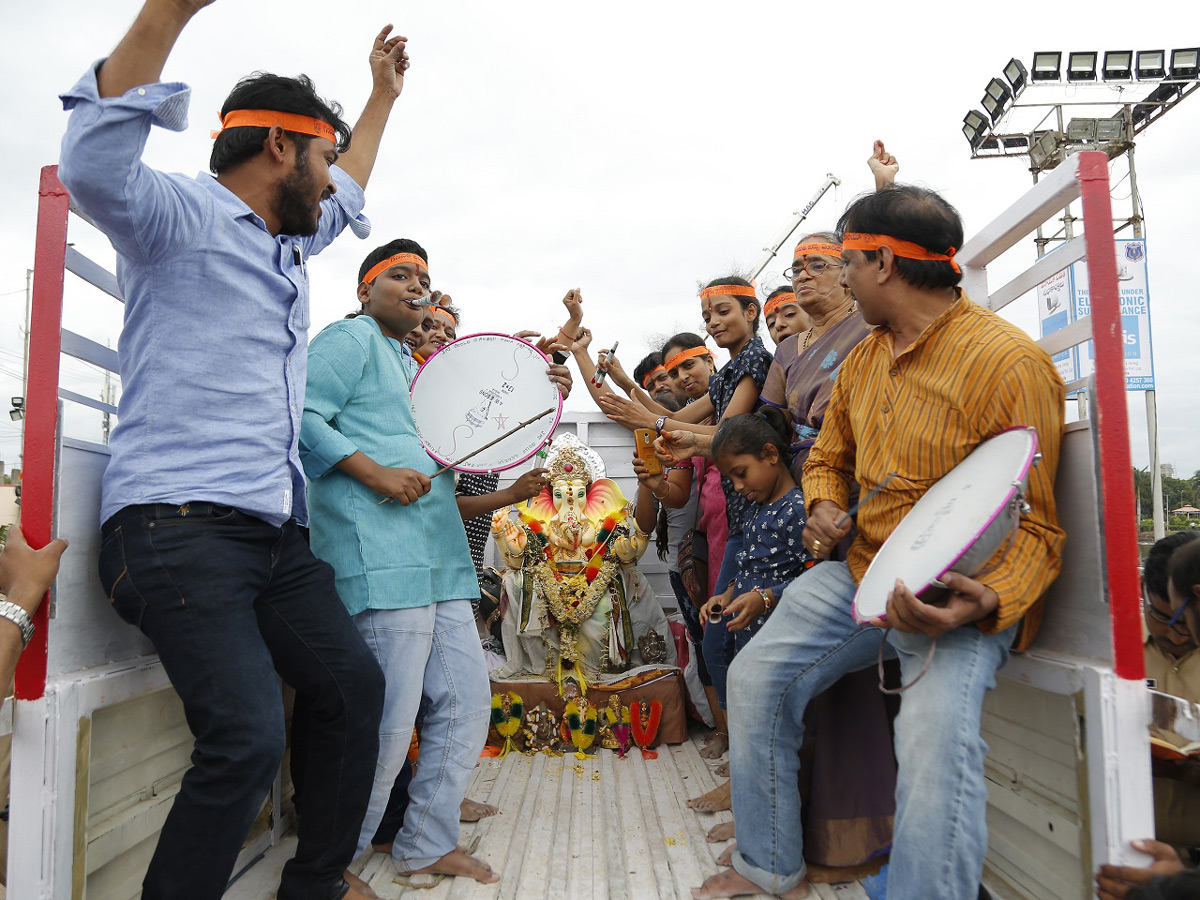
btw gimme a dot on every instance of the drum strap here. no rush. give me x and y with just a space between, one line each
1012 539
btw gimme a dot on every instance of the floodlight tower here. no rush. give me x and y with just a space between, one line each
1147 85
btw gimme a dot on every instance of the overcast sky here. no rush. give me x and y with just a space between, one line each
630 150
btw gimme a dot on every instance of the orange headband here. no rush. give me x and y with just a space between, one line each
906 249
269 118
777 301
684 355
445 312
394 260
735 290
823 247
651 374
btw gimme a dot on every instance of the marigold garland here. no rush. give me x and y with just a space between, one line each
507 723
582 727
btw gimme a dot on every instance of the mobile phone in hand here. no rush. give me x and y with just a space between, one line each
643 439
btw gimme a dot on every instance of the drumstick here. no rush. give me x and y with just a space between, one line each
506 434
861 500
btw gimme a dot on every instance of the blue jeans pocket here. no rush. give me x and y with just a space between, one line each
115 578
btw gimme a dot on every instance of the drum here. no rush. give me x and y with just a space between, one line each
957 526
476 388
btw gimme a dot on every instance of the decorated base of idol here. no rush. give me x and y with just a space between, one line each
589 650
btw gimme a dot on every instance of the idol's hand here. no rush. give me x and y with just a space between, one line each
822 533
389 62
883 166
405 486
969 601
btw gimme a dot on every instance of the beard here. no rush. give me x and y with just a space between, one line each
298 213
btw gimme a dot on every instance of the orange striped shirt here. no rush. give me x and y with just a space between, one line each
969 376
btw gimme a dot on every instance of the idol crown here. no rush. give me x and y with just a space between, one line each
567 464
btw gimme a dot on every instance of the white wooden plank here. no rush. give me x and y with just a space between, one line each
617 867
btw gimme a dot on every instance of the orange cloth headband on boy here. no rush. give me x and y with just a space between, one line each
394 260
651 374
735 290
445 312
777 301
685 355
906 249
823 247
269 118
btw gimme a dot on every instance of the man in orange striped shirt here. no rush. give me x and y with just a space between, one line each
937 376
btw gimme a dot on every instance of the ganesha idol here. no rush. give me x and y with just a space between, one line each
577 605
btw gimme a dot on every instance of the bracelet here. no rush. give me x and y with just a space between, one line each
762 592
567 336
658 425
18 616
664 497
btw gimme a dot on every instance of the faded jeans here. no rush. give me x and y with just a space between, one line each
808 643
433 650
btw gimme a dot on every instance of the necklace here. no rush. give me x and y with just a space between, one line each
808 334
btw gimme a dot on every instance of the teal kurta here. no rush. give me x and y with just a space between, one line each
384 556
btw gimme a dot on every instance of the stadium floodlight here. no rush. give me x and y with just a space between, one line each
1014 141
996 98
1118 65
1082 66
1151 65
1047 66
1185 63
1043 151
975 127
1110 131
1081 130
1017 76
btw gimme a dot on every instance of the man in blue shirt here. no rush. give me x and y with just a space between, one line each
204 540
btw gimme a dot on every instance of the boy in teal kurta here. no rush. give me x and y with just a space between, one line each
399 551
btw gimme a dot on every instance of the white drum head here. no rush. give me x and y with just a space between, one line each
476 388
967 511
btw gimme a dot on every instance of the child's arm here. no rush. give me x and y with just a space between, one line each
528 485
747 607
708 611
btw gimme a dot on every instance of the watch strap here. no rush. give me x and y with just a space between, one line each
18 616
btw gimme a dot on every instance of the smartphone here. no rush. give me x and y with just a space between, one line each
643 439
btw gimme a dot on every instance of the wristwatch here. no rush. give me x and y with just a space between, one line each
658 425
18 616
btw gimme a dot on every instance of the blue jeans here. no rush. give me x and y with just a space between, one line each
807 644
228 601
721 644
432 650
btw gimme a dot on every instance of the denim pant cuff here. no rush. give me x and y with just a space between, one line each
768 881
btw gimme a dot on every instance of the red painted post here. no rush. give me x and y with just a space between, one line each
41 404
1114 462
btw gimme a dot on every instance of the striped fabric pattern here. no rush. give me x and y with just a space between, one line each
969 376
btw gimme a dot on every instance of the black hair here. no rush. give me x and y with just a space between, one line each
750 432
379 254
744 301
1183 570
649 363
262 90
1154 572
685 340
915 214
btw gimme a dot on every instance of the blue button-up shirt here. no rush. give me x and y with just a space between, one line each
213 354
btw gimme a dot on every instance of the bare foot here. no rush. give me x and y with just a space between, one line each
722 771
716 747
717 799
472 810
730 884
457 862
357 884
725 858
718 833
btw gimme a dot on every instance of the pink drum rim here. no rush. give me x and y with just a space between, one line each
1025 466
557 411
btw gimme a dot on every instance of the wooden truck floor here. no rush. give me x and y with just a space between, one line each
601 828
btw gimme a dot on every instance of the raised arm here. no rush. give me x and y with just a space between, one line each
883 165
140 56
388 61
